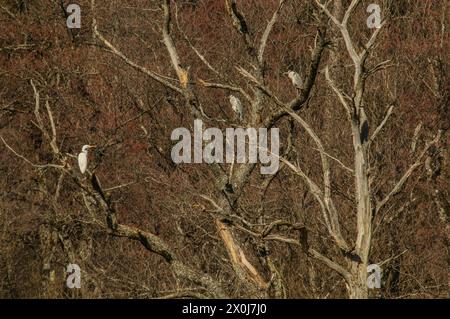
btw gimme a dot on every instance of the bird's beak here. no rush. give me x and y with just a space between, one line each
92 146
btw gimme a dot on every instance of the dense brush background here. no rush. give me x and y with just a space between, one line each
97 99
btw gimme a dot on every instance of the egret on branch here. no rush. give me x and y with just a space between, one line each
237 106
83 159
296 79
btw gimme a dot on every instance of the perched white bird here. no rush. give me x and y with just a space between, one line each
83 159
237 106
296 79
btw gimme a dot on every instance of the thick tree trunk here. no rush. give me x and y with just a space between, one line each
358 290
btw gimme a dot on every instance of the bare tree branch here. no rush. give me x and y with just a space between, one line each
226 87
335 229
267 31
399 185
240 24
128 61
381 125
338 92
28 161
182 73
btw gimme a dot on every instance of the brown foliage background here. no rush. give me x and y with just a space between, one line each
97 99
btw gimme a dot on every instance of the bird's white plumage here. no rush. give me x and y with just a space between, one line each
82 162
236 105
296 79
83 158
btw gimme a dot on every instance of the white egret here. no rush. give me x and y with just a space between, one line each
237 106
296 79
83 158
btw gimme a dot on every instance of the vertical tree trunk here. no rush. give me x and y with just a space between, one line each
359 289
